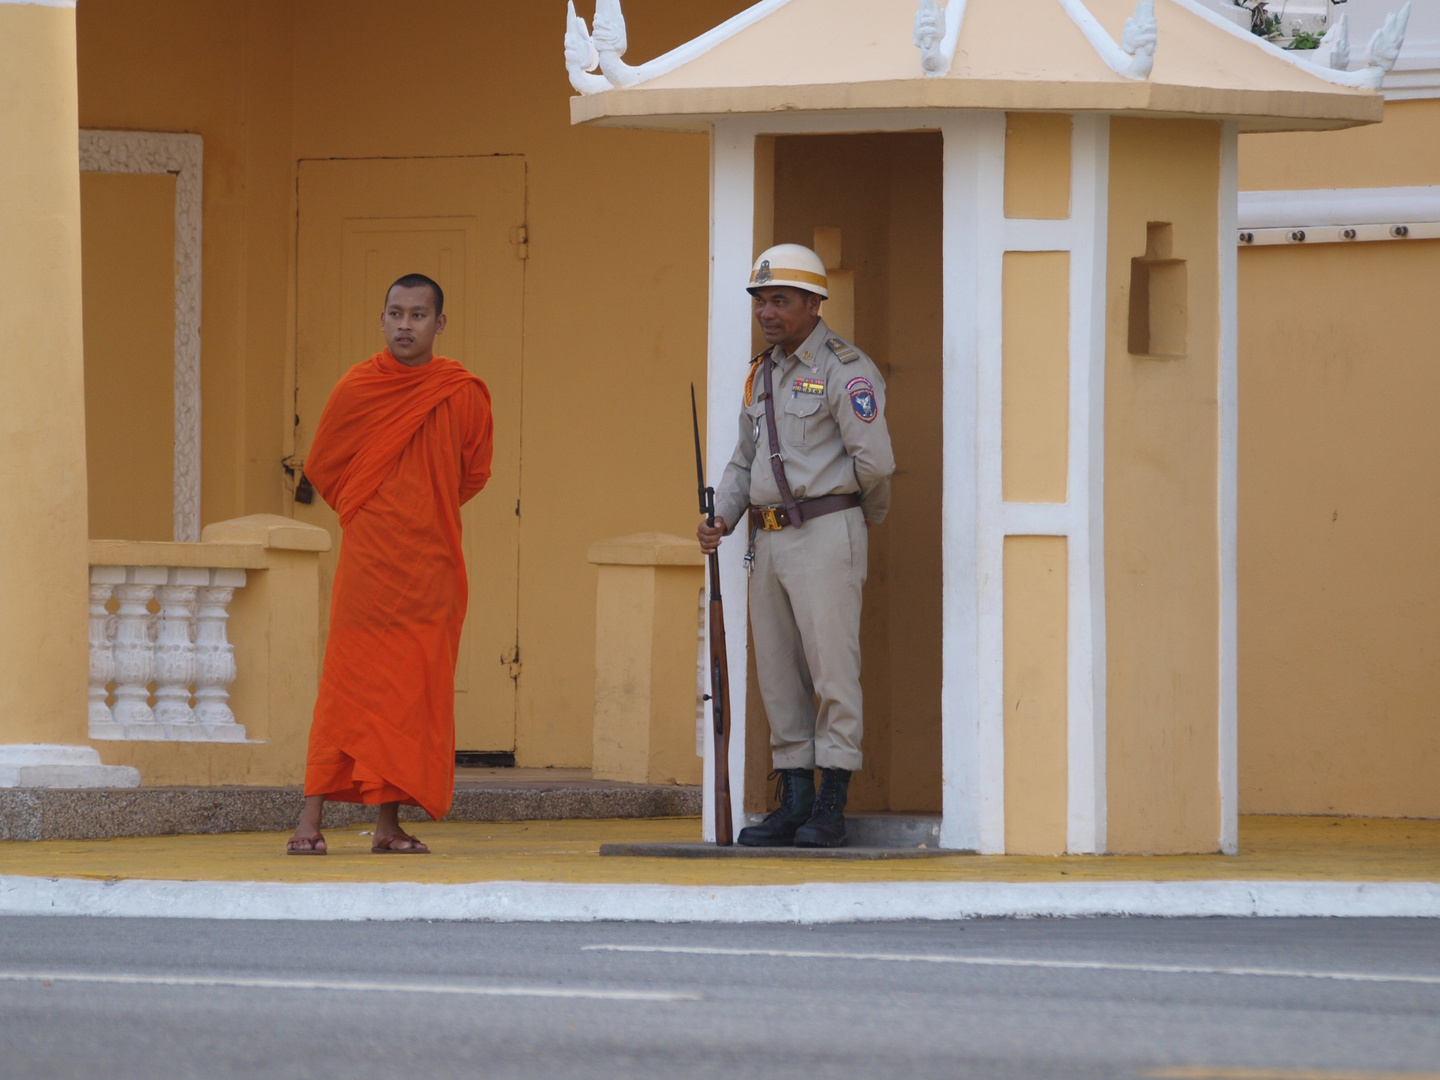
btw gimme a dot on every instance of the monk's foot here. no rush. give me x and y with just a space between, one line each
306 845
399 843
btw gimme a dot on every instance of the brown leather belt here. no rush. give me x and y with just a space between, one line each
775 518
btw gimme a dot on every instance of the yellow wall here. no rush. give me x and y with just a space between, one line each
615 290
1036 709
1339 587
222 71
1161 535
615 312
1035 376
1401 152
128 251
888 210
1037 165
1339 579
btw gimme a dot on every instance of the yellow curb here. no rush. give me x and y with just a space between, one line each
1273 848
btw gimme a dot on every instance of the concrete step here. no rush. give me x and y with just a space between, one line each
871 829
893 830
106 813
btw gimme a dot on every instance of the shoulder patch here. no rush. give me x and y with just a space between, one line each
862 399
844 352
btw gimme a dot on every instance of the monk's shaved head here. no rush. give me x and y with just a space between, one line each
420 281
414 313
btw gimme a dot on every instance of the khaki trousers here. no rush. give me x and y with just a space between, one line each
805 617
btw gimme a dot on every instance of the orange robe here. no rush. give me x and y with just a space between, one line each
398 451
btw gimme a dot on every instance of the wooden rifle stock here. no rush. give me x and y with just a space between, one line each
719 665
720 705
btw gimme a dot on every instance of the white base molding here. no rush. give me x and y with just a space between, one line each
168 732
44 765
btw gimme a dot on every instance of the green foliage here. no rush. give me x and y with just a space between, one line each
1304 40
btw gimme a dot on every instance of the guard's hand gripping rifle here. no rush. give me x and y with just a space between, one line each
719 667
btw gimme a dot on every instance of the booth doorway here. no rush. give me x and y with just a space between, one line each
362 224
880 196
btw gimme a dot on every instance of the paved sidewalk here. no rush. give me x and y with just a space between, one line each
1272 849
481 795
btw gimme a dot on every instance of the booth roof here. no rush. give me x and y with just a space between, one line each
1014 55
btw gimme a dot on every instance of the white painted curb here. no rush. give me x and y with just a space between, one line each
524 901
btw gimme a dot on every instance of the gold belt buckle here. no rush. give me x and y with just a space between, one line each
768 521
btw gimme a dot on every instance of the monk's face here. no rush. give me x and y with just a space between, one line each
786 315
410 324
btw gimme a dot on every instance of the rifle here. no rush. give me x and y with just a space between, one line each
719 696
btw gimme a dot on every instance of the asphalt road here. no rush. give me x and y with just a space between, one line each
1251 999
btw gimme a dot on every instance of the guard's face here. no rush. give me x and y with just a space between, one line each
786 315
410 323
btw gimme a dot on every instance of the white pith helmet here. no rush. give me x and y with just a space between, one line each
792 265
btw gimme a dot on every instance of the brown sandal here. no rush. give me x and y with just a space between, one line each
314 845
387 846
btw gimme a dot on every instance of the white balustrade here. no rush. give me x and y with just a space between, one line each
181 651
214 655
103 580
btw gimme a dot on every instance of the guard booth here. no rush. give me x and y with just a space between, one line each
1036 200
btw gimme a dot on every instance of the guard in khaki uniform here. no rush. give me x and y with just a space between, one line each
813 464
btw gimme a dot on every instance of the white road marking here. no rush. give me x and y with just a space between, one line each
248 983
1007 961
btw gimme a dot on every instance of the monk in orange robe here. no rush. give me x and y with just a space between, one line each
404 441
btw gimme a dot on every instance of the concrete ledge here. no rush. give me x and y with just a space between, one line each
166 553
735 851
523 901
47 765
647 549
270 531
108 813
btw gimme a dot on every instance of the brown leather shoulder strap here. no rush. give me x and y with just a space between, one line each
777 465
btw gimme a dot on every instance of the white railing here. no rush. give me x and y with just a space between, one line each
175 655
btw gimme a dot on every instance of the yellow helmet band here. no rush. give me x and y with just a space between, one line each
782 275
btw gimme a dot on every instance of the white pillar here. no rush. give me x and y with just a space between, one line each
732 226
1089 233
972 540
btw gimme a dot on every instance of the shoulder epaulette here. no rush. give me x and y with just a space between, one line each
844 352
750 379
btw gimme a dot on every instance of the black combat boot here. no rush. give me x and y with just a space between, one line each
826 827
796 792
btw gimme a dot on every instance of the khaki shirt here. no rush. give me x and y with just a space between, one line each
830 416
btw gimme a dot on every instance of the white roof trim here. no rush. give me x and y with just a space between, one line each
1368 78
620 74
1416 74
1338 206
1132 59
937 60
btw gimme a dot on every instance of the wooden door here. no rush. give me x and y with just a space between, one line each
362 224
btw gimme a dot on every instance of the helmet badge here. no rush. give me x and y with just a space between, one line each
764 274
